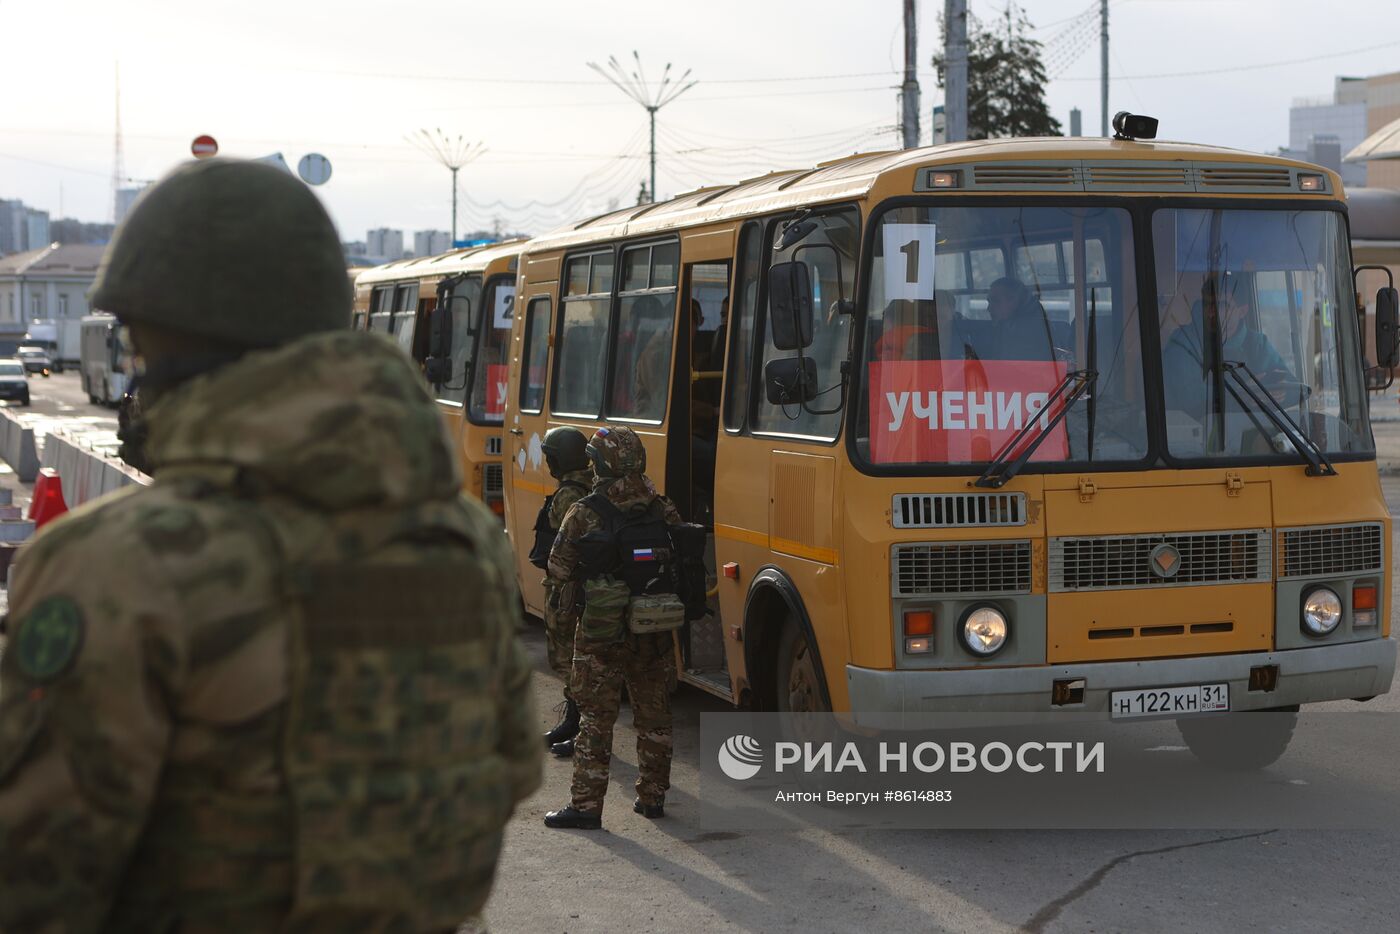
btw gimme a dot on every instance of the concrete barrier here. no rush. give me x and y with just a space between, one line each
86 470
17 446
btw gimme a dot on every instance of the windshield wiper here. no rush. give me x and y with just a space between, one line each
1264 401
999 471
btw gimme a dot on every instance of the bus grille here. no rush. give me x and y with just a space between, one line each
1325 550
1126 561
491 485
961 568
958 510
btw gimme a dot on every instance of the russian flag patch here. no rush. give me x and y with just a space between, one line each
643 554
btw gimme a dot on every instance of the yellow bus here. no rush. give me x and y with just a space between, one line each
463 354
1013 425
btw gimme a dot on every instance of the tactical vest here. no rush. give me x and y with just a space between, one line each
634 547
395 797
545 532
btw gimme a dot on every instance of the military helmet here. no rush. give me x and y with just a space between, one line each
565 450
239 252
617 452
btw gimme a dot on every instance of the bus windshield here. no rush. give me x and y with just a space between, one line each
977 314
490 373
1270 290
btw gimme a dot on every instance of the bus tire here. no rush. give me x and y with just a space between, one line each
1240 742
797 684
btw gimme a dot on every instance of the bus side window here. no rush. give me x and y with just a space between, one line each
829 253
742 313
645 331
536 355
581 353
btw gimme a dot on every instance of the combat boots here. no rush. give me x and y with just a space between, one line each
564 750
649 811
571 818
566 728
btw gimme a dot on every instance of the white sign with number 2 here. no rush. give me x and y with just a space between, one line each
908 261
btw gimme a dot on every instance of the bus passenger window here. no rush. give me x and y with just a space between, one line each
829 253
736 391
464 304
645 329
583 336
536 355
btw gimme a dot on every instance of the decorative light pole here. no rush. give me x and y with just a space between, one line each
635 86
450 152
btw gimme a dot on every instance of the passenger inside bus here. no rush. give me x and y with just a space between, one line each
910 332
1017 329
1188 360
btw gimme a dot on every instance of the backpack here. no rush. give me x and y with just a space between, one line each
545 533
635 550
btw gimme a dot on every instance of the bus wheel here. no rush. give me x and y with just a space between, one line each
797 688
1240 741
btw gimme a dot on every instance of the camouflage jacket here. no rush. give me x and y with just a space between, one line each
568 494
624 493
228 702
563 498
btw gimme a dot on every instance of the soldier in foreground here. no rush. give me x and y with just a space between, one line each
615 543
566 455
281 688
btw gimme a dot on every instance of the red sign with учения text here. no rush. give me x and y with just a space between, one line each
960 411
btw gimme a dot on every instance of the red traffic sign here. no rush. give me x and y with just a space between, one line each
204 146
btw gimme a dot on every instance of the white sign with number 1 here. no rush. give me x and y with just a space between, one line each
908 261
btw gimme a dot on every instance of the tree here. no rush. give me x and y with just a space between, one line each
1005 79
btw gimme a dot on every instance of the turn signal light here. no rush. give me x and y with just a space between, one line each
916 646
918 623
943 180
1310 183
1363 606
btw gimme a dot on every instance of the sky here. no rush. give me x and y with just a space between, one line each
779 84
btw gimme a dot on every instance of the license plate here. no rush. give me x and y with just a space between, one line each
1169 702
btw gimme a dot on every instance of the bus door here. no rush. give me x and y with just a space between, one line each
693 429
526 423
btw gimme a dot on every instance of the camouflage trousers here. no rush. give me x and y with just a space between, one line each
559 638
647 665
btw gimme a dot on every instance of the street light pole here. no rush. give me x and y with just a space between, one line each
635 86
451 153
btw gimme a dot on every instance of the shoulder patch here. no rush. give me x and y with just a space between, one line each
49 639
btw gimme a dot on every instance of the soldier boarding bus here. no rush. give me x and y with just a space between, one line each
463 352
102 358
1010 425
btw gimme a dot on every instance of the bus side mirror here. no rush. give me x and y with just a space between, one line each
790 306
436 364
440 332
790 380
1387 328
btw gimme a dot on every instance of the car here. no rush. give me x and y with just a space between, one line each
14 381
35 359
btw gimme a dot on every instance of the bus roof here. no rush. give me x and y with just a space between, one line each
856 176
467 259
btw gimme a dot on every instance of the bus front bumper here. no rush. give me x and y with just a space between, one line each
1321 673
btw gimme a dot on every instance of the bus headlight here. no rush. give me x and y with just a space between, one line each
984 630
1322 611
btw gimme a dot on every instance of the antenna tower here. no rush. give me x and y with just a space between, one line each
118 161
